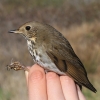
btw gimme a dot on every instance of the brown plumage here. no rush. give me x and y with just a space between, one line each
51 50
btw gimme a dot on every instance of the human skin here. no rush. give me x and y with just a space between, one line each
51 86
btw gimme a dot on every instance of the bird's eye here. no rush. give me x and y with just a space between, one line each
27 28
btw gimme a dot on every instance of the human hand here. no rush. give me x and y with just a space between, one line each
51 86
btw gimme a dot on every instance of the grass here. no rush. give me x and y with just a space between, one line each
5 96
36 3
62 12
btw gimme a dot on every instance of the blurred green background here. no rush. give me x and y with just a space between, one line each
77 20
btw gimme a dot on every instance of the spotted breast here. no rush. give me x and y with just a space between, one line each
42 58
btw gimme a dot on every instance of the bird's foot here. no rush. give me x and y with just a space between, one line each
16 66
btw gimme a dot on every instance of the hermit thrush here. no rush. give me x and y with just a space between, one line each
52 51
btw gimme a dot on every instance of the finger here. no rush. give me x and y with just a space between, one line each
54 89
80 94
69 88
26 74
37 83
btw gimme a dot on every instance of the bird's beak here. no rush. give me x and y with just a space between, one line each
15 31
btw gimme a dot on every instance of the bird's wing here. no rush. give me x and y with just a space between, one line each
66 60
77 73
62 54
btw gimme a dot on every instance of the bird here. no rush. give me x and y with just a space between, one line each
52 51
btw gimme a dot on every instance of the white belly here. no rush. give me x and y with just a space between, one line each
40 57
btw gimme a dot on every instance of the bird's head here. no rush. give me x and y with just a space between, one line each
30 30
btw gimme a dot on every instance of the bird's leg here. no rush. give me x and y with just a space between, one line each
16 66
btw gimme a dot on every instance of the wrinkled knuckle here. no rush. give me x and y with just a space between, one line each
51 75
36 76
